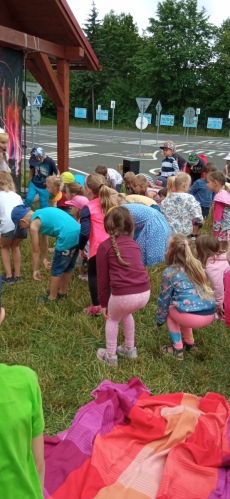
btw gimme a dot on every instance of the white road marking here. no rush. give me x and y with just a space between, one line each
78 171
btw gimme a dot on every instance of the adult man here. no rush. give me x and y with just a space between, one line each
56 223
41 167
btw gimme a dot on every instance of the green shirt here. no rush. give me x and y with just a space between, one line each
21 419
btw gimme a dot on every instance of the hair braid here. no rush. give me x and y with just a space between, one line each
116 250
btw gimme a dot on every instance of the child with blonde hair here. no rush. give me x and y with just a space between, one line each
54 185
92 230
216 265
120 268
129 177
10 239
179 207
4 139
185 284
143 187
220 208
169 165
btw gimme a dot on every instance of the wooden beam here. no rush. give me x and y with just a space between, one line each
63 117
42 71
32 44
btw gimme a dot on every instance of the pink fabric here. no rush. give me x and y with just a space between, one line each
157 197
216 269
78 202
227 298
97 232
121 308
221 200
187 321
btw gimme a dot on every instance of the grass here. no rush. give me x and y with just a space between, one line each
59 342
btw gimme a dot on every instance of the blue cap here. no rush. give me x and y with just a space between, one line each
18 213
36 156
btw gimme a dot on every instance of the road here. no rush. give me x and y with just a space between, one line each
90 147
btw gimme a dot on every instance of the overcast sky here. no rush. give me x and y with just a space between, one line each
141 11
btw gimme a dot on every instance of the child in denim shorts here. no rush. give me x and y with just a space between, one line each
66 230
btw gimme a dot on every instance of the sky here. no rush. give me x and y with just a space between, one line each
143 10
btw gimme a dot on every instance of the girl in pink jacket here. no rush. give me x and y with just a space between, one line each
221 208
216 266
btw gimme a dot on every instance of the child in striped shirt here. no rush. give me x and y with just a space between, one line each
169 165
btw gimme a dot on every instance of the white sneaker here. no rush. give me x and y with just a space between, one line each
127 352
83 277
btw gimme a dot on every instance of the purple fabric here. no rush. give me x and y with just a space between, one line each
111 407
223 485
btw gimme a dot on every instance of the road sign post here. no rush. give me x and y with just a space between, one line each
158 110
189 117
197 113
112 107
143 104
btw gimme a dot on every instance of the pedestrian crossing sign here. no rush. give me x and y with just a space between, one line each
38 101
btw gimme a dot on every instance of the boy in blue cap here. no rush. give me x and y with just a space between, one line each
41 167
66 230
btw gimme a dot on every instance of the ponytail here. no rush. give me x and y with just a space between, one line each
170 186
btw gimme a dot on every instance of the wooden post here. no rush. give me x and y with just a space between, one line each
63 117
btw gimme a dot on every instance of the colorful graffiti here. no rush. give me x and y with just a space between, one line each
11 68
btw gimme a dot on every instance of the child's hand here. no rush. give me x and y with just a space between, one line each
37 275
46 264
220 311
83 254
104 313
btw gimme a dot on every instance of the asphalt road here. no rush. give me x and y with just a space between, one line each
90 147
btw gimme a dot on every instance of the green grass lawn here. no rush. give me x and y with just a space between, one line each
59 342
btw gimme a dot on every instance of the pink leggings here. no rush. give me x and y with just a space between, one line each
121 308
187 321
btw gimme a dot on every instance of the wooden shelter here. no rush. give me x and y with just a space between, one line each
53 43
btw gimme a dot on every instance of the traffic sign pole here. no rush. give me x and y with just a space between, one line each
142 112
112 105
158 110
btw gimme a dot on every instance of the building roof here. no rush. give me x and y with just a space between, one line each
46 20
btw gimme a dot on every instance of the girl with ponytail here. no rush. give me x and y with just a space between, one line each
184 283
121 269
92 229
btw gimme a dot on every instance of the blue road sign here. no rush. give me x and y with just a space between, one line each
192 125
102 115
147 116
167 120
215 123
38 101
80 112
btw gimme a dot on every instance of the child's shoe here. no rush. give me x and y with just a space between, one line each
8 280
127 352
93 310
83 277
171 350
103 355
192 348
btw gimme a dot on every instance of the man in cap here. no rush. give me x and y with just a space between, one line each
66 230
41 167
194 167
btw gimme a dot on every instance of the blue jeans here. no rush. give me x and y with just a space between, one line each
43 196
64 261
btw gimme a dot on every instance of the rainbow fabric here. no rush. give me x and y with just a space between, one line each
129 444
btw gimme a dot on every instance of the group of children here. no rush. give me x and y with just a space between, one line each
121 234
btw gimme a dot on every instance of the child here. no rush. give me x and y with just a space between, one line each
202 194
162 193
66 230
4 139
221 208
121 268
113 178
54 185
216 265
22 465
194 166
226 171
92 229
129 178
76 204
179 207
169 165
41 167
74 189
227 293
185 284
145 188
10 239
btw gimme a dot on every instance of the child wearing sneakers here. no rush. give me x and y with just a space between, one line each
185 284
10 239
120 267
169 165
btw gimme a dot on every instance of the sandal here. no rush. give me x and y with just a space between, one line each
192 348
171 350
